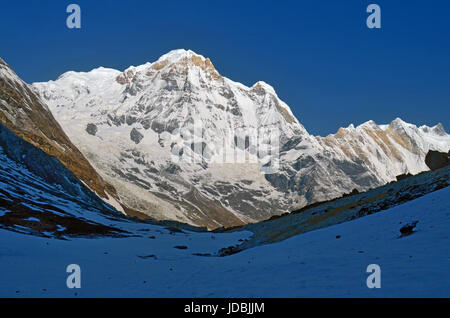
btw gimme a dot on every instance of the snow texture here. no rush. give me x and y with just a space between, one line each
329 262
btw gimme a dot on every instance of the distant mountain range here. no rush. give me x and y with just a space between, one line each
128 126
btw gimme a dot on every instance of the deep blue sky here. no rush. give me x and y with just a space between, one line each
319 55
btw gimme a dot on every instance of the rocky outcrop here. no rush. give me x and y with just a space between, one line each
91 129
437 160
136 136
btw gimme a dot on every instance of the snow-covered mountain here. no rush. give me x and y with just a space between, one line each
360 158
49 219
26 115
181 142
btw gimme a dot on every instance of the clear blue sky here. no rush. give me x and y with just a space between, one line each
319 55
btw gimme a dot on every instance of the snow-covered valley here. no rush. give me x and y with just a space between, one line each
329 262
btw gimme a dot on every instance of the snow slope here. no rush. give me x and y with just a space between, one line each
27 116
40 196
314 264
129 125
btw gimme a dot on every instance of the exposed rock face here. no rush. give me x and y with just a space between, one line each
136 136
91 129
26 115
163 101
437 160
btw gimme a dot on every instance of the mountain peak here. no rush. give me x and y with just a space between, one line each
400 125
368 124
439 129
263 85
175 56
185 59
94 74
398 122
